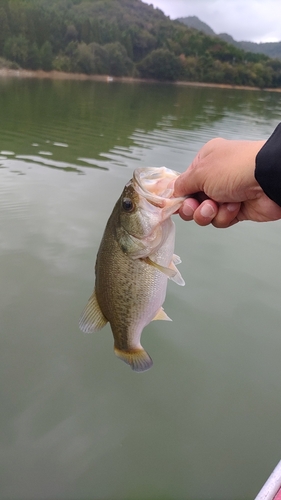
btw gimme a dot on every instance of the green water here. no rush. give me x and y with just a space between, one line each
76 422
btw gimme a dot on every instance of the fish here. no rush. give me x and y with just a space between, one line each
134 262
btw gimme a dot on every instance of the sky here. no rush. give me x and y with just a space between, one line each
248 20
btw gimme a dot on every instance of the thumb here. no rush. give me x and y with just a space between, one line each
188 182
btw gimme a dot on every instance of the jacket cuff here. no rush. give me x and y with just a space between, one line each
268 166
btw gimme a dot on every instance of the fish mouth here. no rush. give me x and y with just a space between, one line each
156 185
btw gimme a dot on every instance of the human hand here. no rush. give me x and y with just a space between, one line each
221 182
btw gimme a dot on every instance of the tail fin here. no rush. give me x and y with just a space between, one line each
138 359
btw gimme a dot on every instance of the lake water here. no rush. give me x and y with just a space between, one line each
76 423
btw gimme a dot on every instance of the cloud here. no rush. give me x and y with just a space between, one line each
253 20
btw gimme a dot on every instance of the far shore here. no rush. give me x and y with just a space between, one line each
60 75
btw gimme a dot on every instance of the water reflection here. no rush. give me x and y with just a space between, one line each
94 119
203 423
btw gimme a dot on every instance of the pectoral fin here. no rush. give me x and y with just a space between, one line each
92 318
166 270
177 278
161 315
176 259
172 272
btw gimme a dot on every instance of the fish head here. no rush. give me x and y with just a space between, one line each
146 203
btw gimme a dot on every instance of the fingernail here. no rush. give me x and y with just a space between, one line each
187 210
231 207
207 211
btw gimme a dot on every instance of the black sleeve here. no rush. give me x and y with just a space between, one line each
268 166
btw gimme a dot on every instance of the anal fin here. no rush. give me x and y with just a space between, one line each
161 315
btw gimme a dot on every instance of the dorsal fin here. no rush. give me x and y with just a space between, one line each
92 319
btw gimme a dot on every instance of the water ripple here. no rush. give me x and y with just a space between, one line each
51 163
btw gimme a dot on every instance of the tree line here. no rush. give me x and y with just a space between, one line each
122 38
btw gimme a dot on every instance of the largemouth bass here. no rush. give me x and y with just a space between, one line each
134 261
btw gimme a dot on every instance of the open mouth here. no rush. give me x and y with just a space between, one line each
156 185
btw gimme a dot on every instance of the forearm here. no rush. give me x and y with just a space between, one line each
268 166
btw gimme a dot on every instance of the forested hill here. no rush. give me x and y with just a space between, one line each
122 38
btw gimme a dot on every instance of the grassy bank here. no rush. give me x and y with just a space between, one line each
60 75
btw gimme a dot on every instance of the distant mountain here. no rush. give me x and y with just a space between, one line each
194 22
270 49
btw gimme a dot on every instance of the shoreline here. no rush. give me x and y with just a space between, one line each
60 75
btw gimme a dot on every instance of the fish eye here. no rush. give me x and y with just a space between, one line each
127 205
